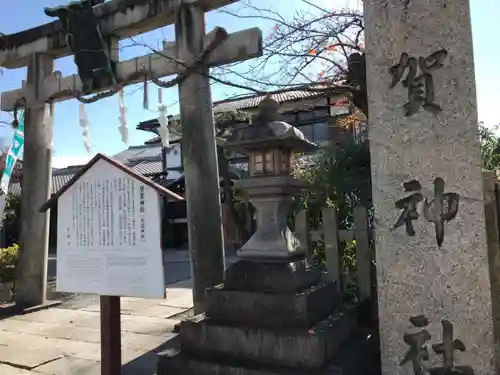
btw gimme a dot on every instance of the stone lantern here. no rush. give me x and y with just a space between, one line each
273 314
270 145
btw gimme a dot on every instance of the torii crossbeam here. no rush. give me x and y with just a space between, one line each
38 47
119 18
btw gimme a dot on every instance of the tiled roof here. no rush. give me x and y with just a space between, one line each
60 177
151 165
281 96
58 181
138 152
156 139
148 167
254 101
153 141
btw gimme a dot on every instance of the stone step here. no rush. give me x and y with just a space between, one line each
291 347
302 309
271 276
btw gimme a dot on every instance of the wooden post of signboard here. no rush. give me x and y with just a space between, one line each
111 346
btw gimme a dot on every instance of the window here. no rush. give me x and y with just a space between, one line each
321 112
285 162
258 163
317 132
313 114
290 118
321 133
263 163
308 131
306 116
339 110
268 157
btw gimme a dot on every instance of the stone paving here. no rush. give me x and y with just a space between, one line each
60 341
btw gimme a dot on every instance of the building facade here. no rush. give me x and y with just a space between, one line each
315 110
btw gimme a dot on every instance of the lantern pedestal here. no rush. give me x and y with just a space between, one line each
271 198
271 317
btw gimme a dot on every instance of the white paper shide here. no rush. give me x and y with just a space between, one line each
108 236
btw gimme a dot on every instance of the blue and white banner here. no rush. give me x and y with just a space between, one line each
13 154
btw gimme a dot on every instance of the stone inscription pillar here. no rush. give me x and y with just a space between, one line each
432 260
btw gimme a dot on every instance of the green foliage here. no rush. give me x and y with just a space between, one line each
8 262
231 116
11 220
490 147
10 224
349 258
340 176
350 270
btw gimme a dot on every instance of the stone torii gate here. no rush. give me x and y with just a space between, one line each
37 49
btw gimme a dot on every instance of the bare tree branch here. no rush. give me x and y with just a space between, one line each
313 45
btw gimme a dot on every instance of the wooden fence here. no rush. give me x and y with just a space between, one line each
332 237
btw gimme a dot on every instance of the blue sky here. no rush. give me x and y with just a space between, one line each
103 115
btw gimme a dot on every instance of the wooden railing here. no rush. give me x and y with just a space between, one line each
331 236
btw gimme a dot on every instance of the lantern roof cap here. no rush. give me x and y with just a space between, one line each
267 131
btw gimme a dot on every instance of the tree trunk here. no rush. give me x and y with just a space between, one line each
357 77
228 194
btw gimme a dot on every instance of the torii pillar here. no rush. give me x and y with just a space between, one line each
31 280
199 153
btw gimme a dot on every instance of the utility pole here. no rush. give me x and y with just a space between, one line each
164 178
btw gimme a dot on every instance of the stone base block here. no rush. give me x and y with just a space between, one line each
175 362
271 276
302 309
298 348
359 356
